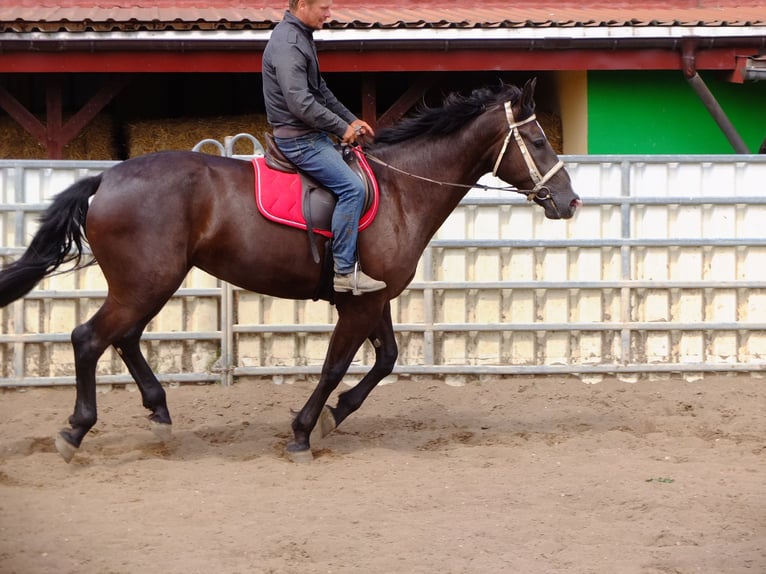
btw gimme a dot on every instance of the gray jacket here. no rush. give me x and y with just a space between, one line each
294 91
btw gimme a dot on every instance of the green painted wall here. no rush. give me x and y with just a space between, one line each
658 112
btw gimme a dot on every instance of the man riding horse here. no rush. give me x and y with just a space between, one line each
303 111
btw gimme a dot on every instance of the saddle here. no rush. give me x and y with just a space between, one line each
317 203
286 195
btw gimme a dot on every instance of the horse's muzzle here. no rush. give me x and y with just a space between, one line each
574 205
559 210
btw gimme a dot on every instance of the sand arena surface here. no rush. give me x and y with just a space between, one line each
519 475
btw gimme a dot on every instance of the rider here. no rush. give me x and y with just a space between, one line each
303 111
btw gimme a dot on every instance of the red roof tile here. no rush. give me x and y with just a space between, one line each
113 15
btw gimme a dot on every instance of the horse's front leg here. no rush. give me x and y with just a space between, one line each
386 352
357 319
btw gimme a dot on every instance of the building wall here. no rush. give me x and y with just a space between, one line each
658 112
572 93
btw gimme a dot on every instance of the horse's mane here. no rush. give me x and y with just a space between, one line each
456 110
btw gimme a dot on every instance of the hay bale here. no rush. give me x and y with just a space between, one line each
551 124
96 142
146 136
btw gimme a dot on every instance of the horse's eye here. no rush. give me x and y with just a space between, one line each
539 143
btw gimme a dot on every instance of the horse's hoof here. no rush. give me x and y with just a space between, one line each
326 422
299 455
163 431
65 448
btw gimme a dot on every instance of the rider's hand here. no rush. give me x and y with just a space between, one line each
356 129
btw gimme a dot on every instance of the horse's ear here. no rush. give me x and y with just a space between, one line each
528 94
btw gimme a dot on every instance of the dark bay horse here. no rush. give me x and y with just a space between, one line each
152 218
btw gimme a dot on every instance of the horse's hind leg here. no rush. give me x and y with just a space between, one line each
89 340
114 324
152 393
386 352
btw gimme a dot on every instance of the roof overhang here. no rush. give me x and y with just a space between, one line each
384 49
172 36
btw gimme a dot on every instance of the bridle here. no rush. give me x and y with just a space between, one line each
540 191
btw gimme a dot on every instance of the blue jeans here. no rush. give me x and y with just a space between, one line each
316 155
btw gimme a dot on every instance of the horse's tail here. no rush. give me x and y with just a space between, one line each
58 240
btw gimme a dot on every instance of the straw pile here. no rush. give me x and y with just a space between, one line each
96 142
146 136
101 140
551 124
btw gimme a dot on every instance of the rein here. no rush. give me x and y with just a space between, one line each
540 191
387 165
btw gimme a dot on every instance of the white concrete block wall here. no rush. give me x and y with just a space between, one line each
754 342
315 346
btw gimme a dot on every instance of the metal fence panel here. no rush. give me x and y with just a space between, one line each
663 270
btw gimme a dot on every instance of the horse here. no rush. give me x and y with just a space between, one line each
148 220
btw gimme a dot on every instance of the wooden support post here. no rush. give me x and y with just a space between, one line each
54 112
369 100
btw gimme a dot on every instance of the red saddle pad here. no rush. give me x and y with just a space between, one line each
278 196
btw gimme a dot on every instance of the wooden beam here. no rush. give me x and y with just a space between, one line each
54 111
410 60
369 100
409 98
54 134
91 109
23 116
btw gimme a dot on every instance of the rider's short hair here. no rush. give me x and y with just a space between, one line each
293 4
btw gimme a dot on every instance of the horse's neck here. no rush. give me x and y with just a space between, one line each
438 174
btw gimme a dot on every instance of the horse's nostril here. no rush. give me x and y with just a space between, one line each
576 203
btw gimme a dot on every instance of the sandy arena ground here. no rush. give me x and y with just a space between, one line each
521 475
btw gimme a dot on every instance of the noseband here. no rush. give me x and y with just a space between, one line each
540 191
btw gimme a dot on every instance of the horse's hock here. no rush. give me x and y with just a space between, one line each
662 271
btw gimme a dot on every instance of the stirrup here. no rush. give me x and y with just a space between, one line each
354 287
